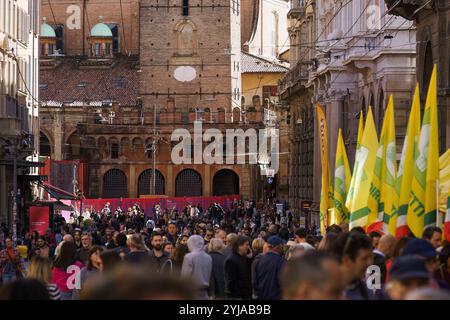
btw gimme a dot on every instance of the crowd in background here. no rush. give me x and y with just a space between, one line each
247 252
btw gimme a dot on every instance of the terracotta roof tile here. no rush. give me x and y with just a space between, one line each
67 83
257 64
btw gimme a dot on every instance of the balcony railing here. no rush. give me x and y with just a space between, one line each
298 74
298 8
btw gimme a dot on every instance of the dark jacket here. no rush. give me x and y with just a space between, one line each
138 257
358 290
380 261
83 255
267 283
238 281
159 262
255 262
217 288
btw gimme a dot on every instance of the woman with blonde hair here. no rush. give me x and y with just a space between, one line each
41 269
259 249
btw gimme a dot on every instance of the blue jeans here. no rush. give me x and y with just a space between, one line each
8 277
66 295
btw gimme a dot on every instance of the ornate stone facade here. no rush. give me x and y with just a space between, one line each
346 55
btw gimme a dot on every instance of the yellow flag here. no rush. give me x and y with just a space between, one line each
423 198
406 167
348 201
388 196
342 177
364 172
326 192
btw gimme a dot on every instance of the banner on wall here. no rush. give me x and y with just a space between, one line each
147 204
39 219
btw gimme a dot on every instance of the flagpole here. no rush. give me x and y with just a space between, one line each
438 212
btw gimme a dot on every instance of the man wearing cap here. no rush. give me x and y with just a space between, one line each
425 250
408 273
267 282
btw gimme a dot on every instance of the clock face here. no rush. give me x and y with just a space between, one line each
185 73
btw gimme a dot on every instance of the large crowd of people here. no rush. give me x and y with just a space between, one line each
250 251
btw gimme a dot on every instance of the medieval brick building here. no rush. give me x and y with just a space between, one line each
116 86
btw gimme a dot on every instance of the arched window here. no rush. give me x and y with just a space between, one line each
225 182
137 144
114 184
188 183
114 150
145 182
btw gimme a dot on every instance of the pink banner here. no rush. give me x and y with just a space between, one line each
147 204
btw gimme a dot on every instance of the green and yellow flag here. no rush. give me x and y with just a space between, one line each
342 177
326 196
389 198
364 171
422 210
349 200
406 168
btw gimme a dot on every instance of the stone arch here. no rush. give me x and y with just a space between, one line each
145 180
114 184
225 182
188 183
45 146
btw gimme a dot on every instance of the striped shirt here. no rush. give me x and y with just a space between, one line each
53 291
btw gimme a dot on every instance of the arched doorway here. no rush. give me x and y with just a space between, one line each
114 184
225 182
45 148
145 181
188 183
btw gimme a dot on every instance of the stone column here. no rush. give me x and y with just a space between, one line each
132 181
207 181
58 137
334 121
169 181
